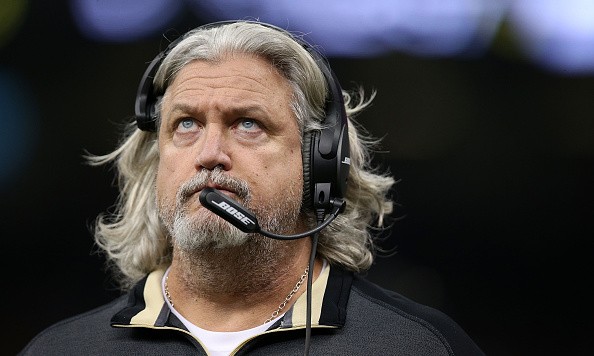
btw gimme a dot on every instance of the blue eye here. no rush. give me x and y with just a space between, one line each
186 123
248 124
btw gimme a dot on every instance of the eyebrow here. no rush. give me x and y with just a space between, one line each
182 107
238 110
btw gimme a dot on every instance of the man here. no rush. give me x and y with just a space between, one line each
250 111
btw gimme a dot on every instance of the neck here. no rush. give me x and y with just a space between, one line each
235 289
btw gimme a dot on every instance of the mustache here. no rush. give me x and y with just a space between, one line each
217 178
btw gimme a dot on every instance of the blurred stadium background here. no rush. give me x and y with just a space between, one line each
486 111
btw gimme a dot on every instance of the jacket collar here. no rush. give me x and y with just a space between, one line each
146 306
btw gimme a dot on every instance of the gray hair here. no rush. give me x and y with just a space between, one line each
132 237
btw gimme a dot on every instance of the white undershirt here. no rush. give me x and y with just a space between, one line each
220 343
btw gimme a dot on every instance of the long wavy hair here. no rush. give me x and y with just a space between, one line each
132 237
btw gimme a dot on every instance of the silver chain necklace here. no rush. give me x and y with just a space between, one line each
275 313
282 305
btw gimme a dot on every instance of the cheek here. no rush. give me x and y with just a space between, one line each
168 180
161 186
282 175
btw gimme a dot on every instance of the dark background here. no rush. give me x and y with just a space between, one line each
494 156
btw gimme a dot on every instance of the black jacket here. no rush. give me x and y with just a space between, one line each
350 316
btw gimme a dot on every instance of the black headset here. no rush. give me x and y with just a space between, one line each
326 153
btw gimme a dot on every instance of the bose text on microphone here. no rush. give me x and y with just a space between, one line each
229 210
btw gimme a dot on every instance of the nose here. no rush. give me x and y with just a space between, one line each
213 149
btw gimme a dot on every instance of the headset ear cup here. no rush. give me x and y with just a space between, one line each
308 140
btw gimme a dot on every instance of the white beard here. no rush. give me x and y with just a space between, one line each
206 231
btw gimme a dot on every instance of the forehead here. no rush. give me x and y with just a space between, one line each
235 83
243 72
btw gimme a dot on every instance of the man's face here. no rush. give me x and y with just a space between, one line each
233 118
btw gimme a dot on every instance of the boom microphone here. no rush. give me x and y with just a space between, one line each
247 222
